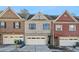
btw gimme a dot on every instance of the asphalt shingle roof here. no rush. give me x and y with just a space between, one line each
77 17
50 17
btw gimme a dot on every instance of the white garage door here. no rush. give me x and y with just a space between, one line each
9 39
67 41
36 40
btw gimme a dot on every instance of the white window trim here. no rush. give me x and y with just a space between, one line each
46 28
2 24
58 26
17 24
30 26
73 28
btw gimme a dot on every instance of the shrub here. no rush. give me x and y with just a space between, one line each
18 42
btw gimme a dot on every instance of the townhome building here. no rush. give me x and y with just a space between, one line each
11 27
38 29
65 30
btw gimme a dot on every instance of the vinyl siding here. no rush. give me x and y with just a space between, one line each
39 27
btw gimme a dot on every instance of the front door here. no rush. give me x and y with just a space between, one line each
49 39
56 40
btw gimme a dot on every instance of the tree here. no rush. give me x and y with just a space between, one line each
24 13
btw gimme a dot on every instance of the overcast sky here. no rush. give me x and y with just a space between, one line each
50 10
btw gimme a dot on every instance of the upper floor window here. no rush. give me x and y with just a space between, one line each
58 28
16 25
2 24
32 26
46 26
72 27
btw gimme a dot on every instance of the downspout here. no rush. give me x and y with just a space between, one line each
53 33
24 32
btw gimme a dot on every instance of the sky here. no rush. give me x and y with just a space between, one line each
50 10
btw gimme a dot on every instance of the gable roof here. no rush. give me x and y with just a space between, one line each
50 17
69 17
39 16
9 14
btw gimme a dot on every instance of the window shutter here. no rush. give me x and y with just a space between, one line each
19 25
13 24
0 24
5 25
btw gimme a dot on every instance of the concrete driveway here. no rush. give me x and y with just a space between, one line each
7 48
35 48
27 48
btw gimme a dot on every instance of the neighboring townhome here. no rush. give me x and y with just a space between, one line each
37 29
65 30
11 27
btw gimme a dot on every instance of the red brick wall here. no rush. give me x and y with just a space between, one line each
9 28
65 31
65 18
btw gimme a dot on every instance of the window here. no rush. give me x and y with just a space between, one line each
42 38
29 38
21 37
16 37
46 26
16 25
32 26
75 39
71 39
38 38
72 27
58 28
33 38
2 24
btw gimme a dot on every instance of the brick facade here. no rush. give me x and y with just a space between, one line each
9 17
65 20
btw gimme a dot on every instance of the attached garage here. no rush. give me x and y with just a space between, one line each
36 40
9 39
68 41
